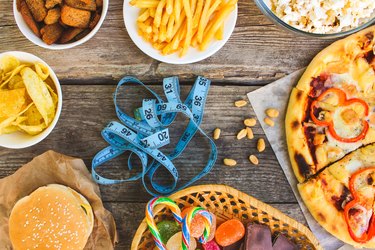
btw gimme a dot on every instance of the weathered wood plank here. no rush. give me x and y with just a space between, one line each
87 109
129 215
257 53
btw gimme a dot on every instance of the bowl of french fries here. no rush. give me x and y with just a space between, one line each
30 99
180 31
59 24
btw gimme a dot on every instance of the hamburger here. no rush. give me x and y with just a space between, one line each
51 217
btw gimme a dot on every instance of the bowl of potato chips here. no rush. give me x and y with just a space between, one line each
30 99
180 31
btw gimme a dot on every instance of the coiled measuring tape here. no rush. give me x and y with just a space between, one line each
145 134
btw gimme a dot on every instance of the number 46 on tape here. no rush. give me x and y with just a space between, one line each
145 134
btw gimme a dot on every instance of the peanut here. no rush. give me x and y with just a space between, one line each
241 134
273 113
261 145
269 122
230 162
253 159
250 134
240 103
217 132
250 122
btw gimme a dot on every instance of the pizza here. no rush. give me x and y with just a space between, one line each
331 110
330 132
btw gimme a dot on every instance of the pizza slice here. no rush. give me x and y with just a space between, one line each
341 197
331 110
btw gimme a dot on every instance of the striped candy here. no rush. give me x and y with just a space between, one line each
150 217
186 222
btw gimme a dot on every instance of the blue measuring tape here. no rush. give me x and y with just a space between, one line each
144 134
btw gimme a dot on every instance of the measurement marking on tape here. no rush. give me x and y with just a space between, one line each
147 133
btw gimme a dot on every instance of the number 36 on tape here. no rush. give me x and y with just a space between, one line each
147 132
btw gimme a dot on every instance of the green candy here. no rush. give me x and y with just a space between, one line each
167 229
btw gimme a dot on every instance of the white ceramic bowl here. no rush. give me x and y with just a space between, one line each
23 140
26 31
193 55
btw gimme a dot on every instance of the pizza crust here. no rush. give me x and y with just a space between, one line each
299 153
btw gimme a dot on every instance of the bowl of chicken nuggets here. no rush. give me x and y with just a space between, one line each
30 99
59 24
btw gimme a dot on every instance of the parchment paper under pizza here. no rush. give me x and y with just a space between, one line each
330 130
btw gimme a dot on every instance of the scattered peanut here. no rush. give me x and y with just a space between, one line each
240 103
217 132
261 145
250 122
253 159
249 132
241 134
273 113
230 162
269 122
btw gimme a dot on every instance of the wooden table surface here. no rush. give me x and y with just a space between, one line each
257 53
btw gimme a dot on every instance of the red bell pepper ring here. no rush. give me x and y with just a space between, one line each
357 200
342 101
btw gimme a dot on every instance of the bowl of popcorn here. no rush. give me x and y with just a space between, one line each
320 18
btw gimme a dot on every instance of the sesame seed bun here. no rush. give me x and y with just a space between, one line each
51 217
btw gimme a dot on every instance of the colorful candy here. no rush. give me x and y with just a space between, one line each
167 229
213 228
150 218
229 232
187 223
211 245
175 242
197 224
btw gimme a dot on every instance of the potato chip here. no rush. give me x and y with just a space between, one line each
10 74
16 82
32 129
8 130
39 93
42 71
33 116
8 63
9 121
12 102
53 94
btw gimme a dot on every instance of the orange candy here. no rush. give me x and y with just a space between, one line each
229 232
197 224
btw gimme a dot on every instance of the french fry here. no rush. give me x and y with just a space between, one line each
152 12
197 14
213 7
220 32
144 15
193 5
146 4
169 7
217 22
158 13
177 10
203 21
189 23
170 28
145 28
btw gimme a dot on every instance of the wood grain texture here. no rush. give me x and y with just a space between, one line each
87 109
257 53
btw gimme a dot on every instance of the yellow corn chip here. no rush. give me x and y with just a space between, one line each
39 93
12 102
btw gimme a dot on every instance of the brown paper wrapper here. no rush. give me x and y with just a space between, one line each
48 168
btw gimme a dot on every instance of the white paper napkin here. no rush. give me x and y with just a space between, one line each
276 95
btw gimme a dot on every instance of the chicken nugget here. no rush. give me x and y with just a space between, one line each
75 17
94 21
69 34
53 16
82 4
37 8
99 3
28 18
52 3
51 33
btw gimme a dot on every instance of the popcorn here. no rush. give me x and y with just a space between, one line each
323 16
